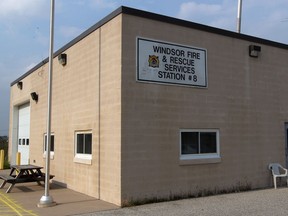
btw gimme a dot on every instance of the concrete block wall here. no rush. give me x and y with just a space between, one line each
136 126
85 97
110 111
74 108
244 100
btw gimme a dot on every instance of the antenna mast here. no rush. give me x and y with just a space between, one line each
239 14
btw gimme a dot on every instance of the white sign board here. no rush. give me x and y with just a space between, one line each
162 62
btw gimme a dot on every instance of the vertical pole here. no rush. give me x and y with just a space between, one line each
1 159
18 158
47 200
239 16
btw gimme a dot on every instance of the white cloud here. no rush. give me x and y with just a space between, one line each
5 77
70 31
265 19
12 8
101 4
261 18
30 66
192 9
80 2
222 15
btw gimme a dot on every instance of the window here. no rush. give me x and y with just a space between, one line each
83 145
199 144
23 141
51 144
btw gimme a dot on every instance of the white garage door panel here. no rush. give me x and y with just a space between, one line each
24 132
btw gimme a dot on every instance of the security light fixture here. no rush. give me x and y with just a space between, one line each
62 58
254 51
20 85
34 96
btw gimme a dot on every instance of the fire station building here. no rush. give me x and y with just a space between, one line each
146 106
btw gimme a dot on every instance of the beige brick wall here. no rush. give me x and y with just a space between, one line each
110 111
135 126
36 82
76 106
245 100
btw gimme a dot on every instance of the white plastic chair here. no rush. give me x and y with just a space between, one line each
278 171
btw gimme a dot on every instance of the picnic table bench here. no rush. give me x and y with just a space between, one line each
23 174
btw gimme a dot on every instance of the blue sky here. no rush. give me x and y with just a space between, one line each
24 27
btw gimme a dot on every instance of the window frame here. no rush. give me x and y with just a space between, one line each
201 156
44 145
79 157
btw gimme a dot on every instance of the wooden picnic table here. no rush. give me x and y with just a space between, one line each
23 174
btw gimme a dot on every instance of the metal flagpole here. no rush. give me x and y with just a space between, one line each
47 200
239 14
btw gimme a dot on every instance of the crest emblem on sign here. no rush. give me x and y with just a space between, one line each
153 61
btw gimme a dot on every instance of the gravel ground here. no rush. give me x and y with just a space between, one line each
268 202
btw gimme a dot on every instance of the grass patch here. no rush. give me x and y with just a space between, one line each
239 187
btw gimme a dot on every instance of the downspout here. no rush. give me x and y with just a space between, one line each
99 113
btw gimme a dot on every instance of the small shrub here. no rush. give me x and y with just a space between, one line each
6 164
4 146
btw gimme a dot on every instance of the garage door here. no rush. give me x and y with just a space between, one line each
24 132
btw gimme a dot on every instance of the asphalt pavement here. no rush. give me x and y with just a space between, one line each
267 202
23 199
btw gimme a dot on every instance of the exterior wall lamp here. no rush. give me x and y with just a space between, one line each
20 85
34 96
62 59
254 51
